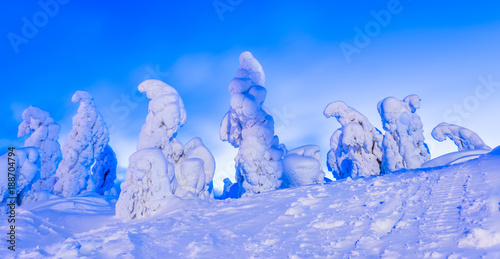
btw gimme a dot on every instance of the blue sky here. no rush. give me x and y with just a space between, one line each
442 51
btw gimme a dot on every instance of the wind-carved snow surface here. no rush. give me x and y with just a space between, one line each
187 170
464 138
86 141
44 135
249 126
27 172
356 148
403 144
450 212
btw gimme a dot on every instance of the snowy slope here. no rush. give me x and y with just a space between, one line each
429 213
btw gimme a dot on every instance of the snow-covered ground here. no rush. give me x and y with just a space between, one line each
446 212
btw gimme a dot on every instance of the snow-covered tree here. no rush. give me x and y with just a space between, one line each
403 144
104 171
249 126
166 115
147 188
27 172
194 164
356 148
44 135
302 166
86 141
464 138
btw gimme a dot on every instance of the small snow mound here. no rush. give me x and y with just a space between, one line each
480 238
455 158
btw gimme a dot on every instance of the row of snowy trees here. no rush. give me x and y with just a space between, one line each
163 170
87 162
358 149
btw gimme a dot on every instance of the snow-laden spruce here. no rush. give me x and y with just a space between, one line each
86 141
27 172
403 144
44 135
249 126
194 164
302 166
356 147
464 138
147 187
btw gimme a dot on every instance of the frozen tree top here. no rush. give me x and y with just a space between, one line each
413 102
343 113
250 68
166 96
33 118
82 96
464 138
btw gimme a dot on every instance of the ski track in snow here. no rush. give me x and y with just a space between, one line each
449 212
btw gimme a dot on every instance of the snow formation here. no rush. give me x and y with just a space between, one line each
450 212
249 126
194 164
464 138
356 148
302 166
147 187
44 135
27 172
166 115
86 141
194 170
403 144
